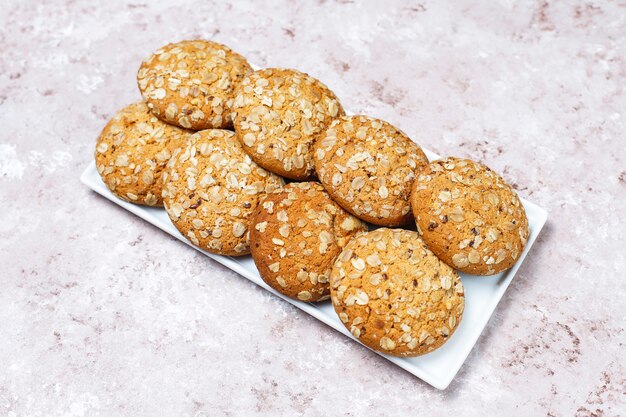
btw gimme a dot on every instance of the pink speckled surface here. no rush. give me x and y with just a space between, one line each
103 314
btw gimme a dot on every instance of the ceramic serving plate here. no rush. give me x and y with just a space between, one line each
437 368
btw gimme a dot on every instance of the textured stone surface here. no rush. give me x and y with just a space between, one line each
102 314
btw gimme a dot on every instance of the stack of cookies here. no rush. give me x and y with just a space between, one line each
267 163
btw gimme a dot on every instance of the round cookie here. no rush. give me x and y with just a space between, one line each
394 295
132 151
211 188
368 166
469 216
295 236
278 114
191 83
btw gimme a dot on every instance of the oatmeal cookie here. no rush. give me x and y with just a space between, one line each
394 295
469 216
278 114
191 83
295 236
368 167
132 151
211 187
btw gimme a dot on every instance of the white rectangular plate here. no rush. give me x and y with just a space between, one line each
438 368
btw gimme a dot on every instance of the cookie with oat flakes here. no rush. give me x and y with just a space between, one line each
295 236
368 166
469 216
278 114
132 151
191 83
210 189
394 294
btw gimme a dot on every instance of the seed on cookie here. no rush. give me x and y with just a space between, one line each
368 167
278 114
469 216
298 265
132 151
209 197
191 83
402 300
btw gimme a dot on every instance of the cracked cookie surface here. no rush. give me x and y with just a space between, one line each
132 151
211 188
191 83
469 216
394 294
295 236
278 114
368 166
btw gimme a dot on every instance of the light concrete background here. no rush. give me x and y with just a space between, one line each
101 314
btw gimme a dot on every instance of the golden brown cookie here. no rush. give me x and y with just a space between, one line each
278 114
191 83
211 187
368 167
394 295
295 236
468 216
131 152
